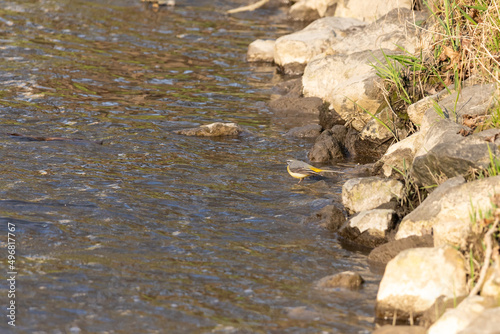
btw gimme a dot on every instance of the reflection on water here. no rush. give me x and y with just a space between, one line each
153 231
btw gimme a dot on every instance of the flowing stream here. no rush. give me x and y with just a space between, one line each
125 226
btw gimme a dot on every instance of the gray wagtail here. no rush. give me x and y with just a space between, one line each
300 170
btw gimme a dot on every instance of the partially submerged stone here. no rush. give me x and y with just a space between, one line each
367 193
416 277
346 279
369 228
306 131
213 130
261 51
386 252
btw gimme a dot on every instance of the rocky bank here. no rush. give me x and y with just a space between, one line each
430 253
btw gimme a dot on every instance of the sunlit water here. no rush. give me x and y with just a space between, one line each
133 228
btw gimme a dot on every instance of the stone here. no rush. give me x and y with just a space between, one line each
330 217
356 146
436 311
346 279
416 111
361 194
217 129
457 319
447 211
445 154
303 313
308 10
388 329
399 157
261 51
289 111
369 228
292 52
486 323
374 130
393 30
491 286
329 145
306 131
348 83
472 100
411 283
328 118
358 8
420 221
386 252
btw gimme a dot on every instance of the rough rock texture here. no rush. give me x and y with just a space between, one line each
356 146
386 252
491 287
290 111
447 211
375 131
445 154
486 323
261 50
361 194
328 117
292 52
388 329
411 283
395 28
213 130
473 100
369 228
329 145
308 10
346 279
457 319
330 217
358 8
348 83
440 306
399 156
306 131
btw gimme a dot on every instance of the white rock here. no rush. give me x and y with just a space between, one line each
348 83
261 50
487 322
416 277
361 194
298 48
377 220
371 11
456 319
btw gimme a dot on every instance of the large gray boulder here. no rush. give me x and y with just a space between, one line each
292 52
411 283
445 154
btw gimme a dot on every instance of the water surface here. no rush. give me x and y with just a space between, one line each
128 227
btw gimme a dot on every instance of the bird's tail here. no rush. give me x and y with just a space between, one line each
327 170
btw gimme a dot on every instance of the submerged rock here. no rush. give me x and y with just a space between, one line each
346 279
411 283
213 130
306 131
